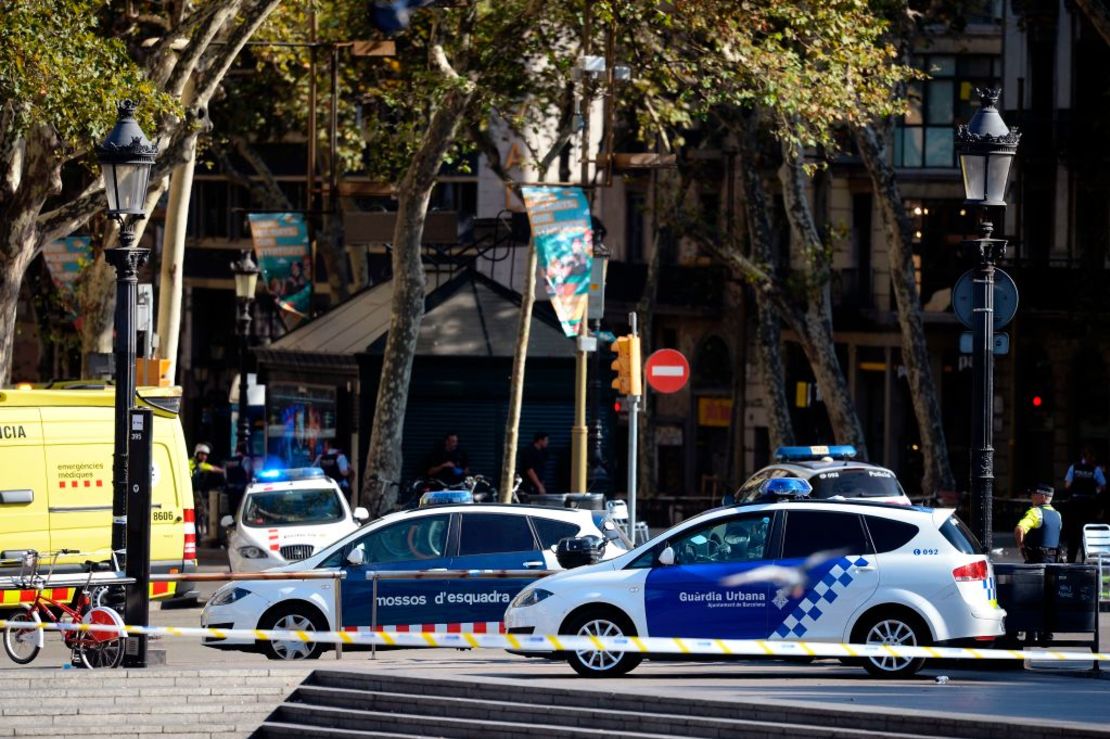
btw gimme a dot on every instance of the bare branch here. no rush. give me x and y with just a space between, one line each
220 59
199 45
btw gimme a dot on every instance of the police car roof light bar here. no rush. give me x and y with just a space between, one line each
810 453
786 487
445 497
290 474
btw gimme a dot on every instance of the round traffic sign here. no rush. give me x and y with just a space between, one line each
1005 298
667 371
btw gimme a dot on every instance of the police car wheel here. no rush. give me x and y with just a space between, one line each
297 618
601 663
894 629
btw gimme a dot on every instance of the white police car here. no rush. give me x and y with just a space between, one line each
831 471
900 575
286 516
435 537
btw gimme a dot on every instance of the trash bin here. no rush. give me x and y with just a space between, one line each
1072 595
1021 591
551 501
588 501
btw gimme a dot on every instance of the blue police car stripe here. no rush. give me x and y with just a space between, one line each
802 617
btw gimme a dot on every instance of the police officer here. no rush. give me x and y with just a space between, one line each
201 470
335 465
1038 532
1084 481
239 473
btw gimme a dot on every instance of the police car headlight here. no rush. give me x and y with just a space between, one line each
530 597
228 596
252 553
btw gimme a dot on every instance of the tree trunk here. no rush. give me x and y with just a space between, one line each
172 270
915 352
815 332
516 385
1099 16
19 233
761 235
383 459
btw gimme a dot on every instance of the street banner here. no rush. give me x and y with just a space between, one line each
65 258
285 261
562 232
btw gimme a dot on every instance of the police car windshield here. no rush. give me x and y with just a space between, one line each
292 507
855 483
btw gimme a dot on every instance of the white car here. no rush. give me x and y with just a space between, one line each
832 472
895 574
437 537
287 516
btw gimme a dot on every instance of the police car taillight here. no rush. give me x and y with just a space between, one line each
972 572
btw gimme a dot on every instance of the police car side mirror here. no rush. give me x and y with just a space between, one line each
356 557
227 522
361 514
666 557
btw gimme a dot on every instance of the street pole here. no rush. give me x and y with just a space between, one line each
579 432
243 326
982 368
126 259
633 444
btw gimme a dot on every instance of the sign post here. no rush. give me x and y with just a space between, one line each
633 439
140 436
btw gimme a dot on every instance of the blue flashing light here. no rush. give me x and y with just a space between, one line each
290 474
445 497
811 453
786 487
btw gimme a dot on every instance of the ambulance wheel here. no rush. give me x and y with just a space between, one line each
603 623
896 628
294 617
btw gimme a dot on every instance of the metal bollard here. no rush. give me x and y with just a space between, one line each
374 613
338 582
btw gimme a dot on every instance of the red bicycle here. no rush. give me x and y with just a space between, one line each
23 636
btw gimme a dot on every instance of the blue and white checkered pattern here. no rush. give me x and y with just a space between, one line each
992 593
817 599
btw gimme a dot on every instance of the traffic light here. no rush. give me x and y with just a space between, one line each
627 365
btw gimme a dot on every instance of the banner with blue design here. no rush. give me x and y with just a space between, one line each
285 261
65 259
562 232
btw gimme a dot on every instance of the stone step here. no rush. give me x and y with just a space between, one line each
601 718
279 729
413 724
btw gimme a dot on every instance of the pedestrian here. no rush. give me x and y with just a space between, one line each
239 473
448 463
335 465
533 459
1084 482
202 471
1038 532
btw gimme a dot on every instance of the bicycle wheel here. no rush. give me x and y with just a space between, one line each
21 644
98 649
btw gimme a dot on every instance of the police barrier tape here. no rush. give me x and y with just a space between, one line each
568 643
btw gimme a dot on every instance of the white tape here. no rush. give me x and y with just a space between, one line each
556 643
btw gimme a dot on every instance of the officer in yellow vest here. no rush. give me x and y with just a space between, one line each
1038 532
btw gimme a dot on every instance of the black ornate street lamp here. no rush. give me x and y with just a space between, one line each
599 479
246 280
126 157
986 147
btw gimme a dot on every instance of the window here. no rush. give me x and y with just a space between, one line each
293 508
857 483
809 532
550 532
734 539
490 533
959 535
926 136
888 535
414 539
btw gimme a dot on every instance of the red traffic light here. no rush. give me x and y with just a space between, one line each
616 406
1038 401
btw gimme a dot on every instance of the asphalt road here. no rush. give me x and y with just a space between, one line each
1068 696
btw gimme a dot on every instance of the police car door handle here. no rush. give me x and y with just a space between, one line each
534 564
864 568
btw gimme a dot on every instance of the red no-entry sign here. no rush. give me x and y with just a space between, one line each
667 371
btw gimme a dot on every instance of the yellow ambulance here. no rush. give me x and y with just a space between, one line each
56 449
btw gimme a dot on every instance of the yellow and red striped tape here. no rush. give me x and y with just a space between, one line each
566 643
